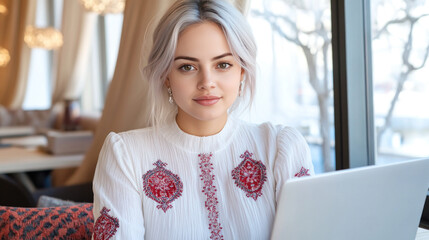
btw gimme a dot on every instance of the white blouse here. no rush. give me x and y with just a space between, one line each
167 184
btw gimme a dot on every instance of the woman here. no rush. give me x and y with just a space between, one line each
199 172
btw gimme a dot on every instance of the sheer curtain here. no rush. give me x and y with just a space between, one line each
72 60
125 106
13 77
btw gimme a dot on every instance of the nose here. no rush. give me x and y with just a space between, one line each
206 80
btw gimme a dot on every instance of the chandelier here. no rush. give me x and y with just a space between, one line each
48 38
104 6
4 57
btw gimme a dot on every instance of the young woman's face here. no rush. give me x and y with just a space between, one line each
205 78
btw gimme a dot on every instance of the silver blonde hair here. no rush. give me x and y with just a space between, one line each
180 15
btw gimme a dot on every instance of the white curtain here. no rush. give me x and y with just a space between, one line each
72 60
13 77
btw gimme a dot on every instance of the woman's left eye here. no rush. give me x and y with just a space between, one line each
224 65
186 68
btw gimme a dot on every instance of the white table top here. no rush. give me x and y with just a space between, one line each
16 159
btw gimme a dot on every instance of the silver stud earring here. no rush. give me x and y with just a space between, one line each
170 95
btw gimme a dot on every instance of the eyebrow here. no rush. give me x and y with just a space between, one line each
196 59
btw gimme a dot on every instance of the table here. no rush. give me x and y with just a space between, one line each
16 159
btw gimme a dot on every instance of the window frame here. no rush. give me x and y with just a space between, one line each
353 111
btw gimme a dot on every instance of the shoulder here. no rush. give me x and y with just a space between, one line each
281 132
262 128
124 145
131 135
137 132
284 137
287 133
290 139
275 136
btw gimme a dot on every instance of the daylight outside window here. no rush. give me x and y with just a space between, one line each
39 86
400 48
295 83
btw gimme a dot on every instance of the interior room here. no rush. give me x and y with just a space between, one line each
349 75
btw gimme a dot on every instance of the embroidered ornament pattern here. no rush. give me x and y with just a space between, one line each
303 172
162 185
250 175
106 226
209 189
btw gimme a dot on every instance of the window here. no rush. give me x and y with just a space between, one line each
113 30
400 47
104 50
295 85
38 91
103 61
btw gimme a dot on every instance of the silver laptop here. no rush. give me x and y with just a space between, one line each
377 202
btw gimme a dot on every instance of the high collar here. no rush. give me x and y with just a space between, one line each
191 143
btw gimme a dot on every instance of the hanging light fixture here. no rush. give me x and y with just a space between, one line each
4 57
104 6
48 38
3 9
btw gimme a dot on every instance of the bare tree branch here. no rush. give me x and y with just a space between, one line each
408 47
387 24
425 58
271 20
397 21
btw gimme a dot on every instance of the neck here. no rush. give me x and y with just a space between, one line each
200 128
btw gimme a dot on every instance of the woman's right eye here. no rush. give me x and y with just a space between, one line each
186 68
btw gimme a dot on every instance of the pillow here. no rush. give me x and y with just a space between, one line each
66 222
47 201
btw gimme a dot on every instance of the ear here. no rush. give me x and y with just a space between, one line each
242 74
167 83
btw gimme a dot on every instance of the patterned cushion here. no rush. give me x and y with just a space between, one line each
66 222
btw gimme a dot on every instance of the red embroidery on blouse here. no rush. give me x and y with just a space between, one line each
106 226
303 172
162 185
250 175
209 189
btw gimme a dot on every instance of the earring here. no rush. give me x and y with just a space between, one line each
241 88
170 95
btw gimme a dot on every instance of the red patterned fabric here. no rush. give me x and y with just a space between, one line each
105 226
209 189
303 172
250 175
68 222
162 185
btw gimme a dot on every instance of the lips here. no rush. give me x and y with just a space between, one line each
207 100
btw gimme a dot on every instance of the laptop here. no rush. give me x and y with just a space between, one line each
382 202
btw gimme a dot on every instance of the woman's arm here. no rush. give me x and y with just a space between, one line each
293 157
118 211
